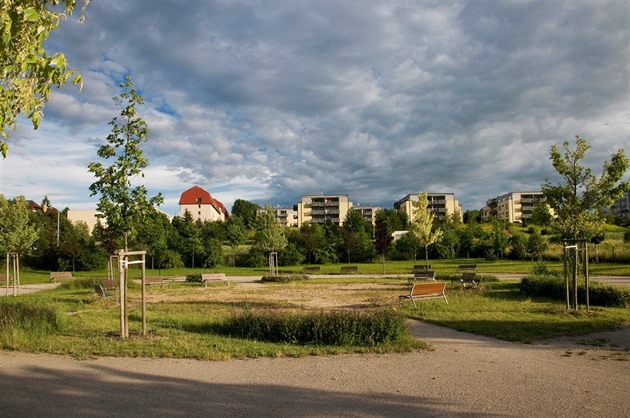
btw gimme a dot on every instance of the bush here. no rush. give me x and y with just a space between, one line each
553 287
283 279
193 278
345 328
83 283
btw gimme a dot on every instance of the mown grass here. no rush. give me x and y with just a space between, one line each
503 312
375 269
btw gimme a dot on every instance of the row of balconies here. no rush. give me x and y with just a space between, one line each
321 204
322 212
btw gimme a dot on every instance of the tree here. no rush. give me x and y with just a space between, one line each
577 200
17 235
246 210
541 214
536 246
422 226
121 204
382 235
27 71
356 240
270 236
236 234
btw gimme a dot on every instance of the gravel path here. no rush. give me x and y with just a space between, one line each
465 376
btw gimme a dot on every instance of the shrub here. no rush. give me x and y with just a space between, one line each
82 283
346 328
193 278
284 279
552 286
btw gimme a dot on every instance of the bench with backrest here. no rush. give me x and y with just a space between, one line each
3 278
60 275
428 275
154 281
98 289
419 268
311 269
213 277
349 269
471 281
110 284
420 291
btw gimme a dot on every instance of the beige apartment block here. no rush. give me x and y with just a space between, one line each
440 204
285 215
323 209
368 212
512 207
89 217
621 206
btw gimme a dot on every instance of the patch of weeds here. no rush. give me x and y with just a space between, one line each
284 279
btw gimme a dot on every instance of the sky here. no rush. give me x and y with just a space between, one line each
267 101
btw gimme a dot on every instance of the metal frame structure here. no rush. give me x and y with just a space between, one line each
123 268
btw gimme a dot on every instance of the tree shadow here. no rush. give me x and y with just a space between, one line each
93 390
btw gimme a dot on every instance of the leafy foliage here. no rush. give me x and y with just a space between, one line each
422 228
552 286
121 204
27 71
576 201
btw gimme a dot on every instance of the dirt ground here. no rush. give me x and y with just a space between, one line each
315 296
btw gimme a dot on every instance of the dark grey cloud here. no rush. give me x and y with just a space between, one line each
267 101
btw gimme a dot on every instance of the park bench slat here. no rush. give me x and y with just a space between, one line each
420 291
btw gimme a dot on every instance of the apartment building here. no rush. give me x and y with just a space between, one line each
439 204
323 209
621 206
368 212
201 205
512 207
286 216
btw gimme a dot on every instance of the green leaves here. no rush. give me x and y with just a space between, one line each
27 71
122 205
576 201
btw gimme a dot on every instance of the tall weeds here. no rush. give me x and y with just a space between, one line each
344 328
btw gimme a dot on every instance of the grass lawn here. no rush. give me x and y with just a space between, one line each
391 267
183 318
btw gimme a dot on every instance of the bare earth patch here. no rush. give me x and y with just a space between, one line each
313 296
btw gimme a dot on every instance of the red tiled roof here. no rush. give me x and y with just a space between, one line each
190 196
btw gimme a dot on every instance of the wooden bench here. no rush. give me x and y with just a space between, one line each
424 275
60 275
311 269
213 277
98 289
471 281
421 291
110 284
3 278
154 281
349 269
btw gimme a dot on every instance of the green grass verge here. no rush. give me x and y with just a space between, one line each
391 267
503 312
